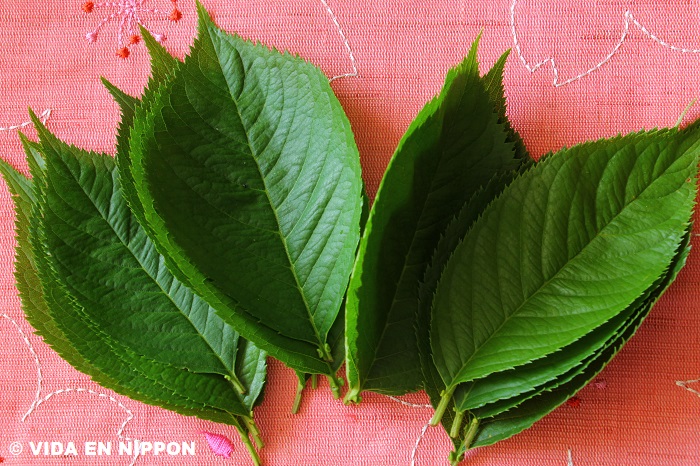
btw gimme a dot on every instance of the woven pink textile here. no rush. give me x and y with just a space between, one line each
578 70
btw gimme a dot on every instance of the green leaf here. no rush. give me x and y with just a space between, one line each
456 144
522 417
572 242
28 284
108 363
143 333
549 371
112 268
493 82
163 65
249 175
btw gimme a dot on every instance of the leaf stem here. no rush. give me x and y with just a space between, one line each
314 381
249 446
457 424
300 389
445 399
335 384
352 396
685 111
458 454
240 388
254 431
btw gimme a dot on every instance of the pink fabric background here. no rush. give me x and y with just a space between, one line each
607 67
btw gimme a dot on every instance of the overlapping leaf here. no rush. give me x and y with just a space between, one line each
587 264
96 289
456 144
249 177
524 415
604 221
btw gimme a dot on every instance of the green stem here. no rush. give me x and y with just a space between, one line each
249 446
300 389
352 396
324 352
445 399
254 431
240 388
335 384
458 455
471 433
457 424
314 381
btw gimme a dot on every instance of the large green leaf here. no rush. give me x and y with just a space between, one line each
112 269
520 418
567 246
28 284
142 332
108 363
456 144
249 175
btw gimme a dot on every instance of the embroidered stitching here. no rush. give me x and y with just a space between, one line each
44 116
38 401
684 385
415 447
219 444
354 73
629 20
406 403
129 13
120 432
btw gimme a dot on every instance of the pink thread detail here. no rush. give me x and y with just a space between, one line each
219 444
630 20
574 402
600 384
129 13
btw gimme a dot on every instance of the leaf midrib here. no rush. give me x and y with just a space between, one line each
115 183
414 235
554 276
253 153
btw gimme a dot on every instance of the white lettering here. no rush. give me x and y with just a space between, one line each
126 448
144 447
158 447
104 448
173 448
90 448
70 449
36 449
56 448
188 449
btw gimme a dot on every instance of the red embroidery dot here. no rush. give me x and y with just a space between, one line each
135 39
574 402
123 52
175 15
88 7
